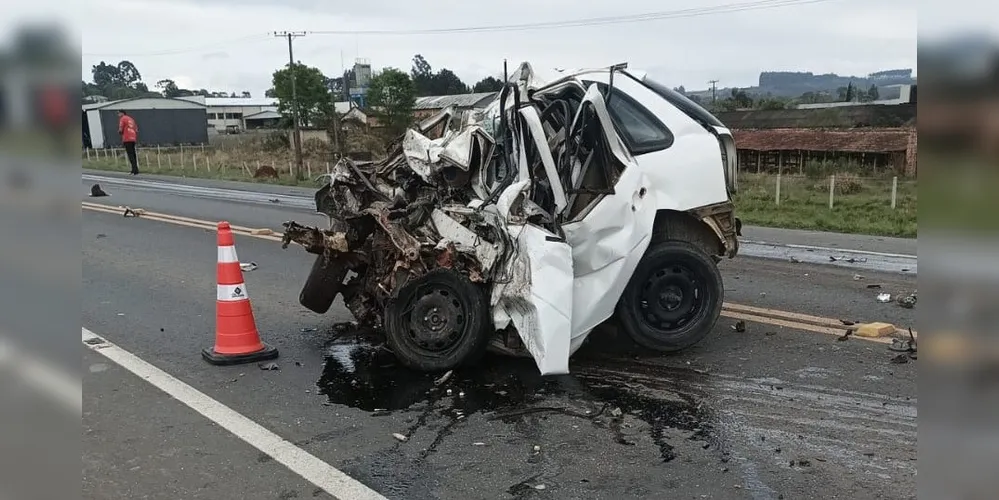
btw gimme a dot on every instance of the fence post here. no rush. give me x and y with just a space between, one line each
208 163
258 166
170 161
778 188
327 168
88 153
832 189
195 159
308 166
147 159
182 158
894 191
159 160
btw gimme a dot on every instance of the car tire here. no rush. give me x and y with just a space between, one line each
689 292
322 285
438 321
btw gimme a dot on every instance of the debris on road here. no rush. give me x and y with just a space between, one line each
269 366
97 192
101 235
907 301
399 437
739 326
873 285
847 322
444 378
884 298
247 266
901 359
129 212
858 277
521 225
845 336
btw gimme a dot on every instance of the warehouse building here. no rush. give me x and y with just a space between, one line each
162 122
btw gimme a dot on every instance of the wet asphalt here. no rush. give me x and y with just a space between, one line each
771 412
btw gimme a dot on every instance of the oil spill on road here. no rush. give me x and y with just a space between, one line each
605 392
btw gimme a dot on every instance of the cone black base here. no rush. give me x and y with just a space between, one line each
215 358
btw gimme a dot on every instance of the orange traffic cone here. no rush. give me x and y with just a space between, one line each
236 337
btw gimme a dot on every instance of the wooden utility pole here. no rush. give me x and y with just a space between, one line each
294 101
713 97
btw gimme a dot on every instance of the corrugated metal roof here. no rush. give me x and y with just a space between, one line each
459 100
239 101
101 105
263 115
856 141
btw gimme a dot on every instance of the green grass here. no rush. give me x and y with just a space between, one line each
860 205
217 171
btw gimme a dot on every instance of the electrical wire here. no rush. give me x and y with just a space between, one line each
594 21
546 25
200 48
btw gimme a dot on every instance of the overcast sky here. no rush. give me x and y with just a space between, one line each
223 44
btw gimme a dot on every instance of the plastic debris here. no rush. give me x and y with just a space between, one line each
739 326
269 366
400 437
247 266
858 277
884 298
96 191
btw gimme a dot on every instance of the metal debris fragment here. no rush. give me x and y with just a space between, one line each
907 301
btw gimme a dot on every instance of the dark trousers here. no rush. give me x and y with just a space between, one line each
130 151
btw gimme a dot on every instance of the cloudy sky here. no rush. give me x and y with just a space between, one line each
224 44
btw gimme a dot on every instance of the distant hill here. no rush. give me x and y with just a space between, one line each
795 83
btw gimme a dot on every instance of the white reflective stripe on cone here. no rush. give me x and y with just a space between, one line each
227 254
232 293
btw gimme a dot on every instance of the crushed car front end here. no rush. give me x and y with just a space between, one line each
521 227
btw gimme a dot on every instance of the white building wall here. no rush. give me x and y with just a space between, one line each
221 116
96 129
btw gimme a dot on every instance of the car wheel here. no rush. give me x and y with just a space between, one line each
673 299
438 321
325 281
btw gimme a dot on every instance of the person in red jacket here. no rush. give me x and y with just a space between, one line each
129 134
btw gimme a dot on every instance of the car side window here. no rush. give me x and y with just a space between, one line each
641 130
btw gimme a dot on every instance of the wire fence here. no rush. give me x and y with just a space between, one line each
844 189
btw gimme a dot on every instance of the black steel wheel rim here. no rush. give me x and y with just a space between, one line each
437 320
671 298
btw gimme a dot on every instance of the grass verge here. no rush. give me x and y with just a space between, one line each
860 205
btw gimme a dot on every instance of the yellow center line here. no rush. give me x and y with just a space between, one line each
774 317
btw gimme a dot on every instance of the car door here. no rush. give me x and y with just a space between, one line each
609 234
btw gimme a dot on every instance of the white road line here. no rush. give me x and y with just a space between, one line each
299 461
41 375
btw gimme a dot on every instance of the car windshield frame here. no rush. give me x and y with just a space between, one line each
682 102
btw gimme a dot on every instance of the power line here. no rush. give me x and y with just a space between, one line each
594 21
219 44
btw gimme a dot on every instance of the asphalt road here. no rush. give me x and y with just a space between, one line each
772 412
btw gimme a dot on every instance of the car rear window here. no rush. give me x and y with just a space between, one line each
683 103
641 130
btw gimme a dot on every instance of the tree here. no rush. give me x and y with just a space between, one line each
246 94
488 84
848 93
391 97
445 82
422 75
310 89
681 90
872 93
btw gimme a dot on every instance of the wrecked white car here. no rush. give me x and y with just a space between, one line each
524 226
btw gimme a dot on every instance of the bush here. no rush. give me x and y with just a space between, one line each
275 141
